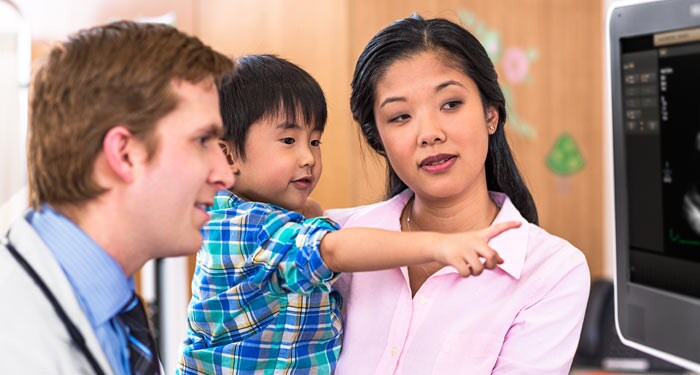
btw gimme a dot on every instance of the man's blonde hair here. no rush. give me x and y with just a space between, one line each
116 74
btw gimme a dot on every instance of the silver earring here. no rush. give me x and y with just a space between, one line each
492 128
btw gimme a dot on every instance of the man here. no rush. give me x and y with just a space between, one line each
123 162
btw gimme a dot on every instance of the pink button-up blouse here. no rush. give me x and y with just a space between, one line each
524 317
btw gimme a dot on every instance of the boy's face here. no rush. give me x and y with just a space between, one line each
175 186
282 163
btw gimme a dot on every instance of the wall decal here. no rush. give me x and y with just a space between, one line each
565 159
512 63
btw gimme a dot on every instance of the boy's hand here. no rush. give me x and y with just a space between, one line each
462 250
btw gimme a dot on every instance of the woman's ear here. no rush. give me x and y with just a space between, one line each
492 119
230 157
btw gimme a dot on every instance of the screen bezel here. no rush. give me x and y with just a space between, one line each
649 319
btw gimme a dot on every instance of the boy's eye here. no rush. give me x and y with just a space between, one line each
452 105
203 140
316 142
288 141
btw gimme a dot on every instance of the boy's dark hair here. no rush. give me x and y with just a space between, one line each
263 86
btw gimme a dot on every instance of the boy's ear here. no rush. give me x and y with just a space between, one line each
226 149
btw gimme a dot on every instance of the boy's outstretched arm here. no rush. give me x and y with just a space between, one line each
367 249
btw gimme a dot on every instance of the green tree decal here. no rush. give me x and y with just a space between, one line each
565 158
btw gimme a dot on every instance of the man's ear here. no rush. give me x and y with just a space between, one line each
230 157
121 151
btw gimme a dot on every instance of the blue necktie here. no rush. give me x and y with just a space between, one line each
143 354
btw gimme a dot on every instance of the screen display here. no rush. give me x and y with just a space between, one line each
661 107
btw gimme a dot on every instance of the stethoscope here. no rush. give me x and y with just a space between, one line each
74 332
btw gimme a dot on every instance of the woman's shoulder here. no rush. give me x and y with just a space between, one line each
370 215
541 240
552 255
542 246
348 216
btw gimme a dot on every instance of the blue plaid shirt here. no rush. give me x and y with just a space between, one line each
261 295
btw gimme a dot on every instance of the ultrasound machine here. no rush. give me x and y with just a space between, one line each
654 167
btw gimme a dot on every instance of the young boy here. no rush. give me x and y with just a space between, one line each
262 298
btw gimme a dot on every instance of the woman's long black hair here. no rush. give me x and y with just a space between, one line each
413 35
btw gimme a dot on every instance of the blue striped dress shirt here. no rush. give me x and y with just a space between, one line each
98 281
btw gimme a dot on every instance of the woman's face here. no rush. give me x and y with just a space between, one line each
432 123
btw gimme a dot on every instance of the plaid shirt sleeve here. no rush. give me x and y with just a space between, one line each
286 254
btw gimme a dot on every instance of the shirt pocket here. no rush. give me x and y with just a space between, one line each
468 353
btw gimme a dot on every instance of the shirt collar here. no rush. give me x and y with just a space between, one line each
511 245
80 258
225 199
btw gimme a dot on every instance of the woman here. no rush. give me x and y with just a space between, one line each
427 99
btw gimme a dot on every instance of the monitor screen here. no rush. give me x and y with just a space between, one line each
654 55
